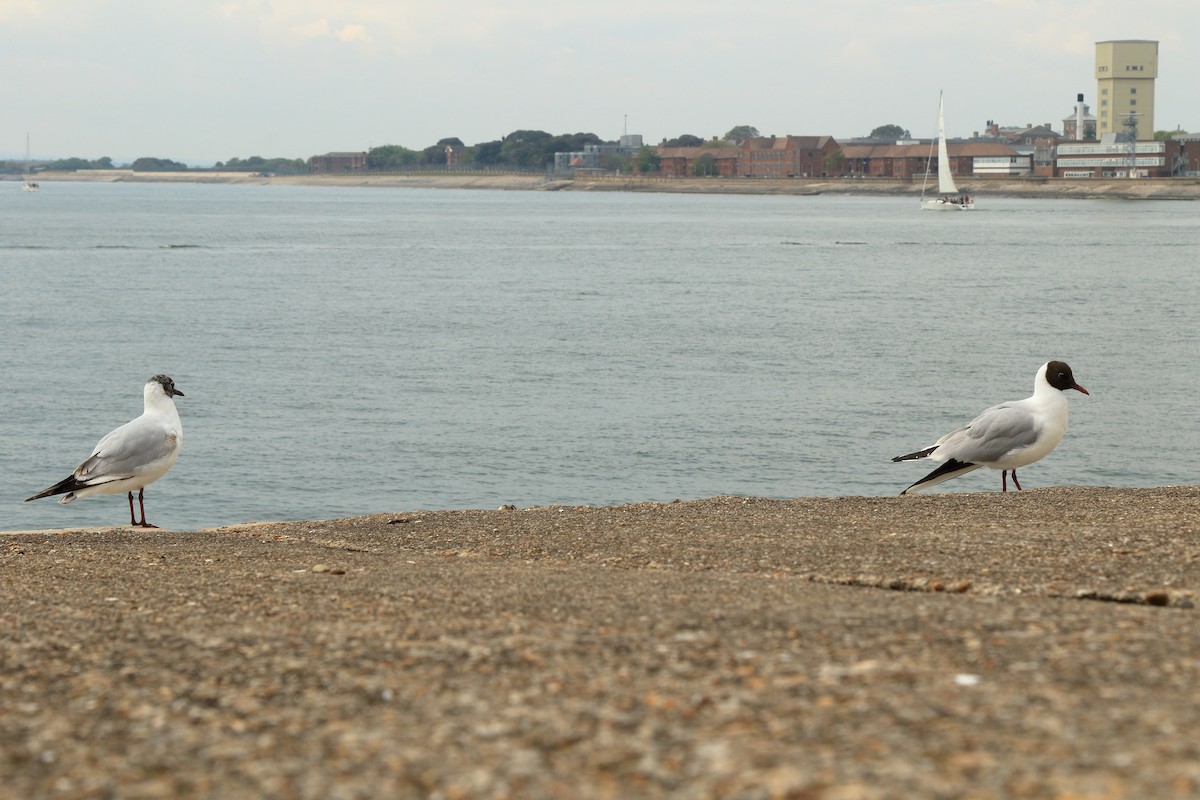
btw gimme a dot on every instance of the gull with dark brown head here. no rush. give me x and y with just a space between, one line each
133 456
1004 437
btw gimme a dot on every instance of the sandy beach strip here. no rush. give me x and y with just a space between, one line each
1041 644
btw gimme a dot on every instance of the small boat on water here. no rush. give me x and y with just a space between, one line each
28 185
949 197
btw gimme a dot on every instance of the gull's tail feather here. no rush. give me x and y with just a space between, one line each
951 469
65 486
916 455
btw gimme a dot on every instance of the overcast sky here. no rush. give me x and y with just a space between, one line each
200 81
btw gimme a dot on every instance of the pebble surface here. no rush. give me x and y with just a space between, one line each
1035 644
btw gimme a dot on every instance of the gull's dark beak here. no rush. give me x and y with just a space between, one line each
1079 388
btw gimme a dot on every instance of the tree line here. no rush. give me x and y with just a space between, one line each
523 150
520 150
281 166
534 150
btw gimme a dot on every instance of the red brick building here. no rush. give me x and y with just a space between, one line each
785 156
338 162
884 160
680 162
908 160
1183 154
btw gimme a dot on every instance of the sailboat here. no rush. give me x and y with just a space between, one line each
949 198
28 185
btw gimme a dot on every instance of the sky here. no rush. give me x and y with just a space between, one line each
200 82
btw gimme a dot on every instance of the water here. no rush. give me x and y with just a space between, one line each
355 350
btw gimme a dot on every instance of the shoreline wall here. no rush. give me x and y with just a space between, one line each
1144 188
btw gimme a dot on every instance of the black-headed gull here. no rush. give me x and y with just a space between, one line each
1006 436
133 456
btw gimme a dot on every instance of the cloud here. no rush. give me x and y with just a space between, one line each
323 29
860 53
20 11
354 33
299 23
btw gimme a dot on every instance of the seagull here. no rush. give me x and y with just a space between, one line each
133 456
1007 436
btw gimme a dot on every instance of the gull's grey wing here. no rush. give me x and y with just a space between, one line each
127 451
992 435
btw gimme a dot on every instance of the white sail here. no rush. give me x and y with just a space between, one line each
949 198
28 185
945 178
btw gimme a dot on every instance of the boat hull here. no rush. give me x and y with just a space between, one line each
939 205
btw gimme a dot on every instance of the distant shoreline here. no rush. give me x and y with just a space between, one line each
1140 189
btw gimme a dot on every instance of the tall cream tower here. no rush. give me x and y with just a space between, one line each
1125 73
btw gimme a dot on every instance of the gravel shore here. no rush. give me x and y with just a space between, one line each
1040 644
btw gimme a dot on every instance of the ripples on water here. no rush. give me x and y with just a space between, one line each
346 351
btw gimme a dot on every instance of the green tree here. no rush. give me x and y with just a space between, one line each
617 162
739 132
686 140
567 143
835 162
488 153
890 132
391 156
436 153
647 160
281 166
524 149
1165 136
148 164
75 163
706 164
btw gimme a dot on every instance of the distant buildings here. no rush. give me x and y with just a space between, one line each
338 162
755 157
592 157
1125 73
708 161
1081 125
1183 151
454 154
1111 158
1114 143
909 159
786 156
1117 142
822 156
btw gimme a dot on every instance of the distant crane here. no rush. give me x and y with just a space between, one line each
1131 130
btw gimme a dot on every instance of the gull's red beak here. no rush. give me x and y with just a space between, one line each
1079 388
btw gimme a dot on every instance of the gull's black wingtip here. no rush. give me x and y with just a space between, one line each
68 484
950 469
916 455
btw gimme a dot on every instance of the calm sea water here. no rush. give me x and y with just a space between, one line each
355 350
